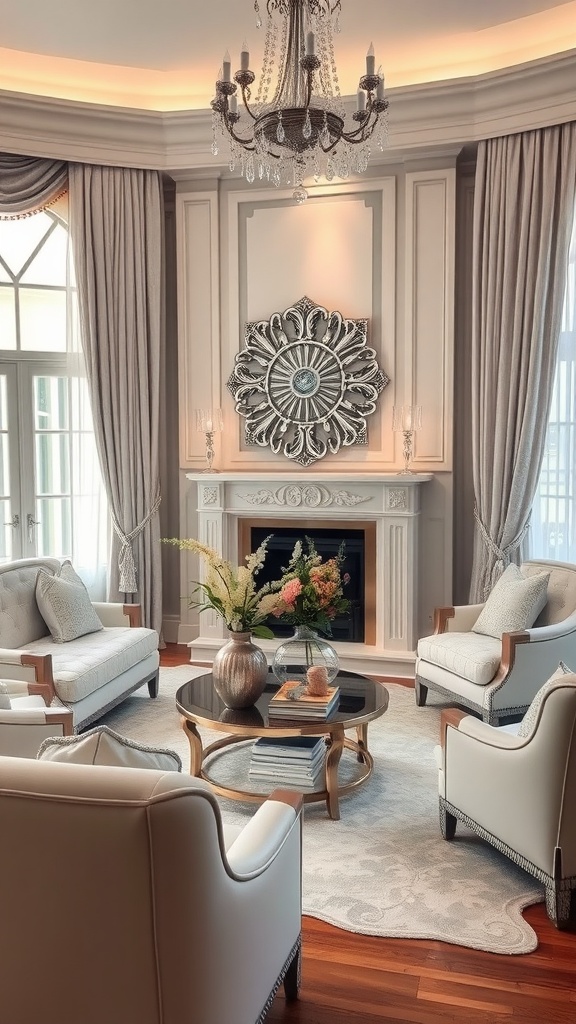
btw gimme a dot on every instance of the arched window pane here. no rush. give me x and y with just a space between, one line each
7 318
49 265
42 320
19 238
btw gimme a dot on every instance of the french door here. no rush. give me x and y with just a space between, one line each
50 498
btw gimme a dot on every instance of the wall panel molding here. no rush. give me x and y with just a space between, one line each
198 317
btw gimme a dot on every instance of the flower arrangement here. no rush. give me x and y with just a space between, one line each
231 590
310 592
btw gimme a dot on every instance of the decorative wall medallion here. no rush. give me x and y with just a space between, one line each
209 495
397 499
306 381
309 495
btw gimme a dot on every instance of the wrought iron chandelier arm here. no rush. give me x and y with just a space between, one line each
245 143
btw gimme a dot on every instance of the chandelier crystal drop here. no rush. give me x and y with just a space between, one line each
295 127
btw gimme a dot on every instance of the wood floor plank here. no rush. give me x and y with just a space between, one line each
361 979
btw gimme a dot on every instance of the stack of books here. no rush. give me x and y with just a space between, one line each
293 762
291 701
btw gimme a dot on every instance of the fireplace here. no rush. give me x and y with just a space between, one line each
359 561
224 508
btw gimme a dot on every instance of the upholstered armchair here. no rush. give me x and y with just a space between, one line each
499 677
26 719
518 792
136 907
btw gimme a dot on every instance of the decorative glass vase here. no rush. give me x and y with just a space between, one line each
300 652
239 671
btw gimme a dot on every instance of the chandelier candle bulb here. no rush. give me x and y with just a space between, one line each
310 44
244 57
380 89
361 100
226 67
233 104
370 61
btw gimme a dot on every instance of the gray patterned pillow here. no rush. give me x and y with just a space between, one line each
65 605
514 603
104 746
527 724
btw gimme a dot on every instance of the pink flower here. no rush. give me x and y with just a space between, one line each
290 591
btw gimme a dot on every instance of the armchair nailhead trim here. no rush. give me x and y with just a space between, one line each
562 886
295 951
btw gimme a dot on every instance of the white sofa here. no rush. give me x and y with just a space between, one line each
90 674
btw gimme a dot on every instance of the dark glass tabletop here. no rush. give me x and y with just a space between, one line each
361 699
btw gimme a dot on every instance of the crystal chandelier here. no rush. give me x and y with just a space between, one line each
300 129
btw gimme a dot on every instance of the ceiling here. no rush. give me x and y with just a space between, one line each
165 55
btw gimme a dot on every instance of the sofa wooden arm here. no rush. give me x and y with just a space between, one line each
39 666
113 613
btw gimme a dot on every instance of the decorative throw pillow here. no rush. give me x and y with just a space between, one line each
514 603
527 724
104 746
65 605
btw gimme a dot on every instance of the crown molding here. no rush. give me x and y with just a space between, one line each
435 114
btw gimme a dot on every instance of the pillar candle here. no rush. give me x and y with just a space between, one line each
226 67
310 42
244 57
361 100
370 61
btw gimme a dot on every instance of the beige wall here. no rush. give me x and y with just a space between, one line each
382 247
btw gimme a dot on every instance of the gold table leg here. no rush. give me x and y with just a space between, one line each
332 761
362 733
195 746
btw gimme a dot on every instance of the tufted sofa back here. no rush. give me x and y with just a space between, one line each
561 590
20 620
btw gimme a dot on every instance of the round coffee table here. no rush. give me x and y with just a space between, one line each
361 700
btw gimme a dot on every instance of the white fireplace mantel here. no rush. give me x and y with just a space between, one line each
390 500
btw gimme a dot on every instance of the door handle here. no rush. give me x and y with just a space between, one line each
31 524
15 522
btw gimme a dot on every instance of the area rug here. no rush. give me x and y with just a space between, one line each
383 869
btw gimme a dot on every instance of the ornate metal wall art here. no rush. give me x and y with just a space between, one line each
306 381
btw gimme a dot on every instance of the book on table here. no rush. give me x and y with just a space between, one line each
296 761
292 701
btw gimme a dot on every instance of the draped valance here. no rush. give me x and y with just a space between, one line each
29 184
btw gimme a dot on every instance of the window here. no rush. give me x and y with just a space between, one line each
52 501
553 525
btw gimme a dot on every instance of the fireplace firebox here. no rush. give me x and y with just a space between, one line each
359 539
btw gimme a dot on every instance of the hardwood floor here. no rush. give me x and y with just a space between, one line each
356 979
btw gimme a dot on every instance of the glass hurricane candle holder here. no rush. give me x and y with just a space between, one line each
208 422
406 419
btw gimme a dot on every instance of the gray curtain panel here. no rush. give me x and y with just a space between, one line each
116 230
28 184
523 210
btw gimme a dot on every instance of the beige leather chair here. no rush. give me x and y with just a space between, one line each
499 678
518 793
121 905
26 720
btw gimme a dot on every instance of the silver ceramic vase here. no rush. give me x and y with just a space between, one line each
239 671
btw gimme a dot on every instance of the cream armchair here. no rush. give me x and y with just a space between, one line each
120 880
26 720
498 678
518 793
